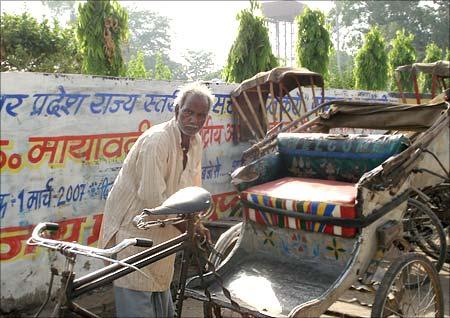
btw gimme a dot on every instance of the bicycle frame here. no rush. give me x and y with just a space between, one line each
72 288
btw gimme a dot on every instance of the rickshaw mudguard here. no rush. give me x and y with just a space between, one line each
269 277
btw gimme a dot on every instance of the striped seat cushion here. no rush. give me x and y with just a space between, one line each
311 196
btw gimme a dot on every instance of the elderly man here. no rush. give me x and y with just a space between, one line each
165 158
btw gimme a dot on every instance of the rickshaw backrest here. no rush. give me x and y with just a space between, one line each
336 157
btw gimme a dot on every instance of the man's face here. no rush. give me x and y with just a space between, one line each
191 116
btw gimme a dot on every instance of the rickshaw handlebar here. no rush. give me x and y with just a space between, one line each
37 239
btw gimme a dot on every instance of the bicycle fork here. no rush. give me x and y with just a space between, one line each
65 304
66 280
187 253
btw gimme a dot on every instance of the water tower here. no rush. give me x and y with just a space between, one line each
281 16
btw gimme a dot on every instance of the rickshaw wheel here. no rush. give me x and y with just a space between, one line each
424 231
410 288
440 199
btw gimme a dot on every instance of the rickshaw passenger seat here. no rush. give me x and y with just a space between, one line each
318 174
311 196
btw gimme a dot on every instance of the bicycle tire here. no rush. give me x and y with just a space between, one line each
440 200
387 290
426 217
225 244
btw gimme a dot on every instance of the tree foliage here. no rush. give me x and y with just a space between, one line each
402 53
27 45
428 21
178 70
214 76
136 67
60 7
343 77
199 64
149 32
433 53
371 67
162 71
102 28
251 51
313 41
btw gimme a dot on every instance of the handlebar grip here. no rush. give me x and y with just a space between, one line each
137 219
51 226
142 242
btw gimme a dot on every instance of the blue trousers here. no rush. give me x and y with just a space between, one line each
133 303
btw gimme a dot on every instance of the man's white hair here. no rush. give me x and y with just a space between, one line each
195 88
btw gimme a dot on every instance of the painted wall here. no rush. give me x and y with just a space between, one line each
63 139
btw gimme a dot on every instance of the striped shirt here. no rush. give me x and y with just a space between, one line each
151 172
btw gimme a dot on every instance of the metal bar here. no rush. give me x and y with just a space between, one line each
289 126
283 108
281 103
323 94
301 94
280 100
184 271
290 98
312 90
102 281
307 125
399 86
416 87
272 94
244 118
263 105
129 260
359 222
255 117
83 312
433 85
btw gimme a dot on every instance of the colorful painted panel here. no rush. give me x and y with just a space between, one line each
308 246
336 157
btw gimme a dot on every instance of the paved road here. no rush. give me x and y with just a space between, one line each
102 303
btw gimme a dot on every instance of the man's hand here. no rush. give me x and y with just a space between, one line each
201 230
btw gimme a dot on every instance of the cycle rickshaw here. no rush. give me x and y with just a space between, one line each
326 206
328 202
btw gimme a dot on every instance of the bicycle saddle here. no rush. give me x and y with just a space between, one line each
184 201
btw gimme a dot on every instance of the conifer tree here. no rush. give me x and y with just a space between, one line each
251 52
101 30
401 53
313 41
371 62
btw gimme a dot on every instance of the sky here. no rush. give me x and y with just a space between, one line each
195 25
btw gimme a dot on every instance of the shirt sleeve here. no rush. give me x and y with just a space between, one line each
150 168
198 174
198 168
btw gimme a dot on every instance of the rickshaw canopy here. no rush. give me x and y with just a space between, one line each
250 97
439 68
